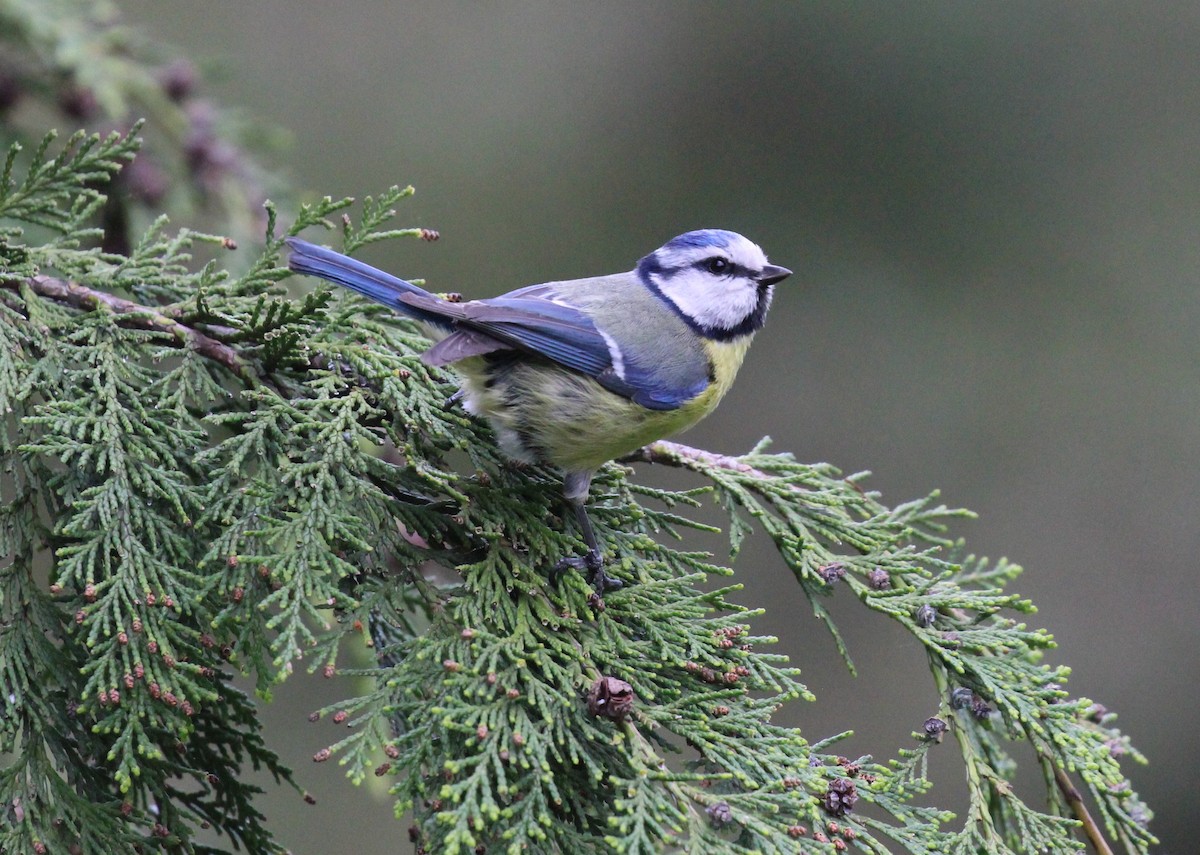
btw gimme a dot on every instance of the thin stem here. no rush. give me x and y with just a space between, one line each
676 454
1090 828
135 315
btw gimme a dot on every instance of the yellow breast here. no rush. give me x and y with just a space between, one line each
543 412
725 358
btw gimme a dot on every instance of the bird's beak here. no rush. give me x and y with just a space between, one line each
773 273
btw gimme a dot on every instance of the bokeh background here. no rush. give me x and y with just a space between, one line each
993 215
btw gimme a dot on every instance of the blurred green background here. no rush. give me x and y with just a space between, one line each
993 215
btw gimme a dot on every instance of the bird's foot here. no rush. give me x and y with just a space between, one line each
592 566
454 400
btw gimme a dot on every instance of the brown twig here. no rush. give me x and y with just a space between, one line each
674 453
1067 787
134 315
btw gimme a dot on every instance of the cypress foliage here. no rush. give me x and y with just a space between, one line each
206 474
209 472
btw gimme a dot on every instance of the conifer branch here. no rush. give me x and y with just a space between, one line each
134 316
666 452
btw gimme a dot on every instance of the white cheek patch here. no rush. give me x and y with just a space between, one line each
710 301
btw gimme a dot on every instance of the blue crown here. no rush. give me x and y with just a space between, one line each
702 238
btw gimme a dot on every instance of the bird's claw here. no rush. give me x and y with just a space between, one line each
592 567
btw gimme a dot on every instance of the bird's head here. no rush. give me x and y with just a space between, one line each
717 281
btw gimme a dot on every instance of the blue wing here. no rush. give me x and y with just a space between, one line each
554 330
524 320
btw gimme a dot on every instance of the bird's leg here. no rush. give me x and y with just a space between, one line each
454 400
592 564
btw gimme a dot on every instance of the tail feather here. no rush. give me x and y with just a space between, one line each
369 281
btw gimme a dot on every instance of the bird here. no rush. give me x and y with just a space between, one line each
577 373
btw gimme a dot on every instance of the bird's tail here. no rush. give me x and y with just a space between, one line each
366 280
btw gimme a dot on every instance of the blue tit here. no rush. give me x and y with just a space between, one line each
577 373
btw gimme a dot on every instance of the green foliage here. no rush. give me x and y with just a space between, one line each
205 475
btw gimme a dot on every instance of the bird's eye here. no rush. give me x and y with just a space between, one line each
717 265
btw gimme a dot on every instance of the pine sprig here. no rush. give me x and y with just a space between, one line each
956 611
56 192
117 716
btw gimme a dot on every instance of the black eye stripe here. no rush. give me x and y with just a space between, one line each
731 268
